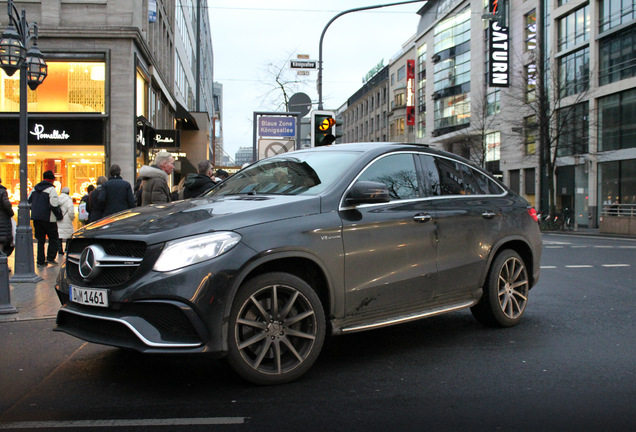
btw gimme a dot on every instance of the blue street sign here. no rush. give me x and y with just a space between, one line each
276 126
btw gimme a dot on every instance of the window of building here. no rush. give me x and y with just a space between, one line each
531 82
531 131
617 57
614 13
493 146
574 124
452 71
452 31
617 182
531 30
574 28
574 72
400 100
401 73
69 87
399 126
493 101
452 111
617 121
421 91
141 91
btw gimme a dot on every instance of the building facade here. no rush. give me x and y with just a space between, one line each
114 93
477 94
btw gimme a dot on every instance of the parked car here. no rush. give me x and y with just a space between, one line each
335 240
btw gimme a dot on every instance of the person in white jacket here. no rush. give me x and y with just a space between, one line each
65 226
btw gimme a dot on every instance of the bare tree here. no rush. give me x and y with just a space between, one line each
280 83
554 102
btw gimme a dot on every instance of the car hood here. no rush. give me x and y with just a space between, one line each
162 222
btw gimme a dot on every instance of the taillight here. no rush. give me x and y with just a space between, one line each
533 214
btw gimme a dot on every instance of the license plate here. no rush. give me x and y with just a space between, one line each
89 296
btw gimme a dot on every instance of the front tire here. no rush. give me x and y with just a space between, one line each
276 329
505 292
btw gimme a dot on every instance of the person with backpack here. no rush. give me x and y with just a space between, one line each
45 212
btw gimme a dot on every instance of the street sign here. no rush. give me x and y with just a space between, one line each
268 147
303 64
276 126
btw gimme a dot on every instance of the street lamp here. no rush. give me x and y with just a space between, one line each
33 69
322 36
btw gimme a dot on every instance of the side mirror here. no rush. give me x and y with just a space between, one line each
368 192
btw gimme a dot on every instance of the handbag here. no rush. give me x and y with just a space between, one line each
57 211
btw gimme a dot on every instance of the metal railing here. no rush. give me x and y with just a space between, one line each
626 210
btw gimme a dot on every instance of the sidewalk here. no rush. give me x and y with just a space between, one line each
34 300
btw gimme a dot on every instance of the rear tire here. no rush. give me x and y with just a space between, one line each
505 292
276 329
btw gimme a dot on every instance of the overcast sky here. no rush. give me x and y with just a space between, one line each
248 35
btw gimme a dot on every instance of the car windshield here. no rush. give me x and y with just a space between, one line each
304 173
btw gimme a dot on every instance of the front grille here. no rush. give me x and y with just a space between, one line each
133 249
110 276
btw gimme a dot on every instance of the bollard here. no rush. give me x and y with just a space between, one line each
5 289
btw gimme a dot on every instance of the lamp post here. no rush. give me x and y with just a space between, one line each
14 55
322 36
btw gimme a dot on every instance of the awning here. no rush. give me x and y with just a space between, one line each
184 119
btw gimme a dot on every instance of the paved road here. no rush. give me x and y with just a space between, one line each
568 366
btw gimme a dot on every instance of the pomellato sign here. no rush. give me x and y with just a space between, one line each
64 131
39 133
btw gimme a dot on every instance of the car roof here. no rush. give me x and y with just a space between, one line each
380 147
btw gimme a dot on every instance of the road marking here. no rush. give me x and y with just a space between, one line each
579 266
124 423
604 247
615 265
553 247
548 267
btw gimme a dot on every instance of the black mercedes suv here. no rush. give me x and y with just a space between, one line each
321 241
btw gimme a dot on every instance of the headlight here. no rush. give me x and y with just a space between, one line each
184 252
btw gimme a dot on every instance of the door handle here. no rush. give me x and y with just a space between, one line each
422 217
488 214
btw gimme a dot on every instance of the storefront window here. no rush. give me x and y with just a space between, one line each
142 95
73 167
69 87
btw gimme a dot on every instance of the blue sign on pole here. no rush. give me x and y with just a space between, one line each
276 127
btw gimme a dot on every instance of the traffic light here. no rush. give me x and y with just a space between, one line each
322 128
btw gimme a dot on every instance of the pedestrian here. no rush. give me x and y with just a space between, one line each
220 175
95 207
6 227
154 185
116 194
45 212
82 207
199 183
65 225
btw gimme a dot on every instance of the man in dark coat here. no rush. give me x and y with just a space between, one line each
6 229
95 207
43 198
116 194
198 184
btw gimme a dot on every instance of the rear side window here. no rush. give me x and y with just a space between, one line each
397 172
448 177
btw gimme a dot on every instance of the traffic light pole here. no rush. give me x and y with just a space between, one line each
322 36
